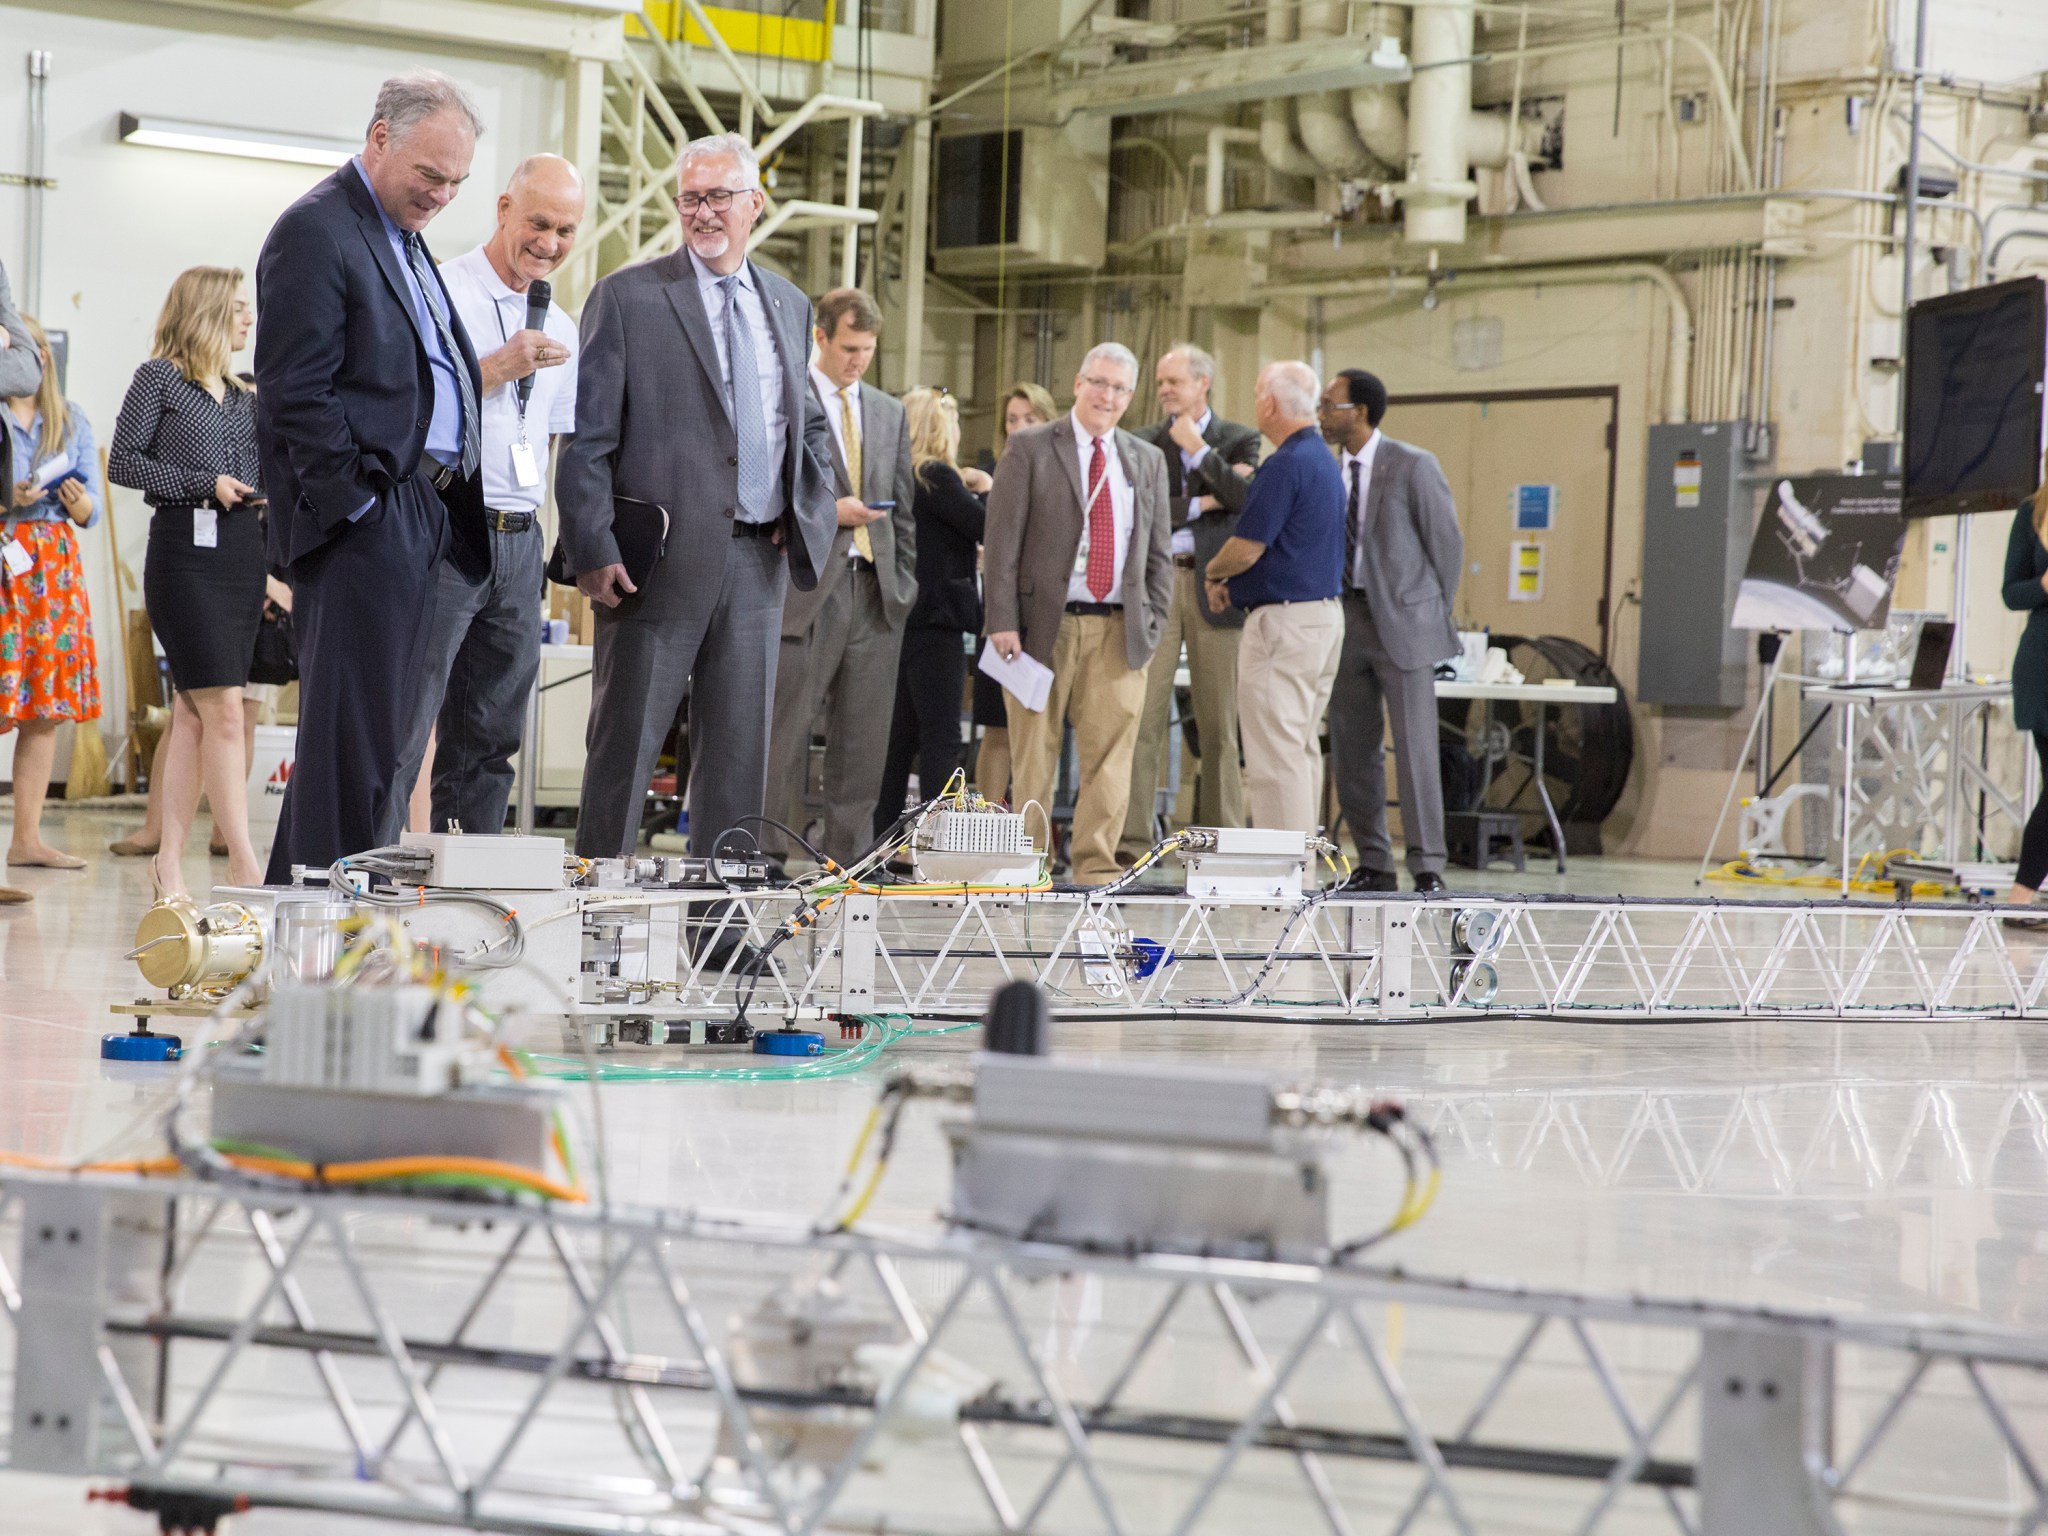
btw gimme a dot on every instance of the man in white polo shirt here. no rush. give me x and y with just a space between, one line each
483 650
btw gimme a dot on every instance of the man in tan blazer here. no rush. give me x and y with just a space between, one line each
1077 572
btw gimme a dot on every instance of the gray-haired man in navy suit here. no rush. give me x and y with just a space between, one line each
367 423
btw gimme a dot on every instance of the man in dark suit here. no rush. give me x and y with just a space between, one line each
1208 466
367 424
841 639
691 395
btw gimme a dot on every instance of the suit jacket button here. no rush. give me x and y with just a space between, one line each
733 460
422 423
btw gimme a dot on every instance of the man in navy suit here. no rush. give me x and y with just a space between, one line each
368 427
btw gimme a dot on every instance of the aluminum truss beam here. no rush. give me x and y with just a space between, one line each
557 1371
629 955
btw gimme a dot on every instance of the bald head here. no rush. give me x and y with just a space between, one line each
539 214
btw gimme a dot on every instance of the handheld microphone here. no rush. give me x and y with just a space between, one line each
538 293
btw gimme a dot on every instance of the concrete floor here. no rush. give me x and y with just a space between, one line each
1870 1166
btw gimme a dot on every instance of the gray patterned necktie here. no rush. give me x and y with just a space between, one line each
743 395
1354 520
430 290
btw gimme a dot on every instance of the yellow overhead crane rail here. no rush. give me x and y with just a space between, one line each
801 32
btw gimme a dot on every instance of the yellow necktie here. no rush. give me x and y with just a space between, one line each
849 426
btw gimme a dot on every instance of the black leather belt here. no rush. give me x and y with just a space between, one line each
1184 562
1095 609
742 530
508 522
440 476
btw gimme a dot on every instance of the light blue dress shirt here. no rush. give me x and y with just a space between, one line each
753 310
25 460
444 429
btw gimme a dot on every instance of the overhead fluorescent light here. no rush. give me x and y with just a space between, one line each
249 143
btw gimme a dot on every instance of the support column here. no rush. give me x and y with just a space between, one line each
916 241
583 147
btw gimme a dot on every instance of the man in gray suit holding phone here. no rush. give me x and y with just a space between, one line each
692 399
1402 555
841 639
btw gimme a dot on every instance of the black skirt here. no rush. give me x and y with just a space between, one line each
205 604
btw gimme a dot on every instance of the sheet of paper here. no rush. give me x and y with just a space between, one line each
51 471
1026 680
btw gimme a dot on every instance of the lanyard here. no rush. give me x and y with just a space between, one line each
498 314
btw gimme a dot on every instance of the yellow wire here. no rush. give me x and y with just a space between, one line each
860 1142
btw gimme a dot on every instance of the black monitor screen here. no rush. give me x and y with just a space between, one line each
1974 363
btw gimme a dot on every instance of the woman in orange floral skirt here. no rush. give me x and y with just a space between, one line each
48 671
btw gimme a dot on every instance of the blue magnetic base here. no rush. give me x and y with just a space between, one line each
140 1046
788 1042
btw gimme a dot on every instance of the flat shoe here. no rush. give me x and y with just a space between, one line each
54 861
218 848
11 897
2025 924
133 848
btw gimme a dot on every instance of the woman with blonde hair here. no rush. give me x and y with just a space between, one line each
48 667
186 438
933 666
1024 404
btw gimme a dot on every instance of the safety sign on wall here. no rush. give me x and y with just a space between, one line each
1685 479
1535 508
1525 571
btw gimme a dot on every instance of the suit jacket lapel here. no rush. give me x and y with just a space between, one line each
1068 453
793 354
379 241
1376 489
688 304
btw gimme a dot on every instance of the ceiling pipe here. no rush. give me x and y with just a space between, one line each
1677 352
1439 120
1324 117
1214 166
1277 143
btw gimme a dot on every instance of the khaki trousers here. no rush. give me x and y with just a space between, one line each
1212 678
1095 687
1285 669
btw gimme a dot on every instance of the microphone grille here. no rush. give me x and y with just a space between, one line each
539 293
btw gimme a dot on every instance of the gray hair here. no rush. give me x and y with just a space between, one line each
1200 363
1111 351
1294 388
406 101
722 146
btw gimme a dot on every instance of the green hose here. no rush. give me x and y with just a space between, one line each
884 1030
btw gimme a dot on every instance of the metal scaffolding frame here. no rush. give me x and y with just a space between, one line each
457 1353
1324 958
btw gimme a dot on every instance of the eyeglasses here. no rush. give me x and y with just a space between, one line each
1332 405
718 199
1104 386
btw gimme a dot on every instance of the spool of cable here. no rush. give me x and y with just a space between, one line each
1018 1021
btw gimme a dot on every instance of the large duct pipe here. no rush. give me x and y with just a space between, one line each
1439 122
1324 117
1277 143
1376 111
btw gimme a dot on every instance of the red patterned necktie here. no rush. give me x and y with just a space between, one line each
1101 529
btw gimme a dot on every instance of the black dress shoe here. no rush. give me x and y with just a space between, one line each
1371 880
1429 883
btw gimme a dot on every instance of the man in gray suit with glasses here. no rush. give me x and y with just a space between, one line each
692 397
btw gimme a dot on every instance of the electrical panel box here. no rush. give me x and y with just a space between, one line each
1696 535
490 861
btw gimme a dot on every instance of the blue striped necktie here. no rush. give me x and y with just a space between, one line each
430 290
743 394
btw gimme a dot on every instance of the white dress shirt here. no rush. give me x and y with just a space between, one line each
753 312
828 397
1123 503
1183 537
493 314
1355 511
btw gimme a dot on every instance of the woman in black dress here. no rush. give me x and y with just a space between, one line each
933 668
2026 591
186 438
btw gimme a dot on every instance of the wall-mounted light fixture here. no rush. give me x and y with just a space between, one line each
249 143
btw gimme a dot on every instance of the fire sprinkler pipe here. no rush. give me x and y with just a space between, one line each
1677 352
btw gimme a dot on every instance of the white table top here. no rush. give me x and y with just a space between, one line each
566 652
1528 693
1880 694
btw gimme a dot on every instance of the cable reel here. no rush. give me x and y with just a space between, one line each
1474 933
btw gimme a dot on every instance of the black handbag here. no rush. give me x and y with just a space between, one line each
277 648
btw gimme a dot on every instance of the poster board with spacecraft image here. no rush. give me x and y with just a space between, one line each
1825 555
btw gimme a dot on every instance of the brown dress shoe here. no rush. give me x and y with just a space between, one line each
10 896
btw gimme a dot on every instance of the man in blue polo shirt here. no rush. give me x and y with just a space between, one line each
1284 566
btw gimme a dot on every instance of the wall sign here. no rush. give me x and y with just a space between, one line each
1535 508
1525 571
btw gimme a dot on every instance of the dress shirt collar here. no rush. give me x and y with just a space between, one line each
485 271
1202 426
709 280
1086 439
390 228
1364 457
830 391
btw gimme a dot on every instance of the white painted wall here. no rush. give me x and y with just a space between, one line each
1995 42
124 220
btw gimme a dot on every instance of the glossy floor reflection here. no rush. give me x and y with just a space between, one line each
1896 1167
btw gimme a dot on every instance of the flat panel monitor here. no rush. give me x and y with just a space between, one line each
1974 365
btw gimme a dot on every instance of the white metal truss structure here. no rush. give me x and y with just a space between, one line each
1334 958
644 135
1825 1137
565 1371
